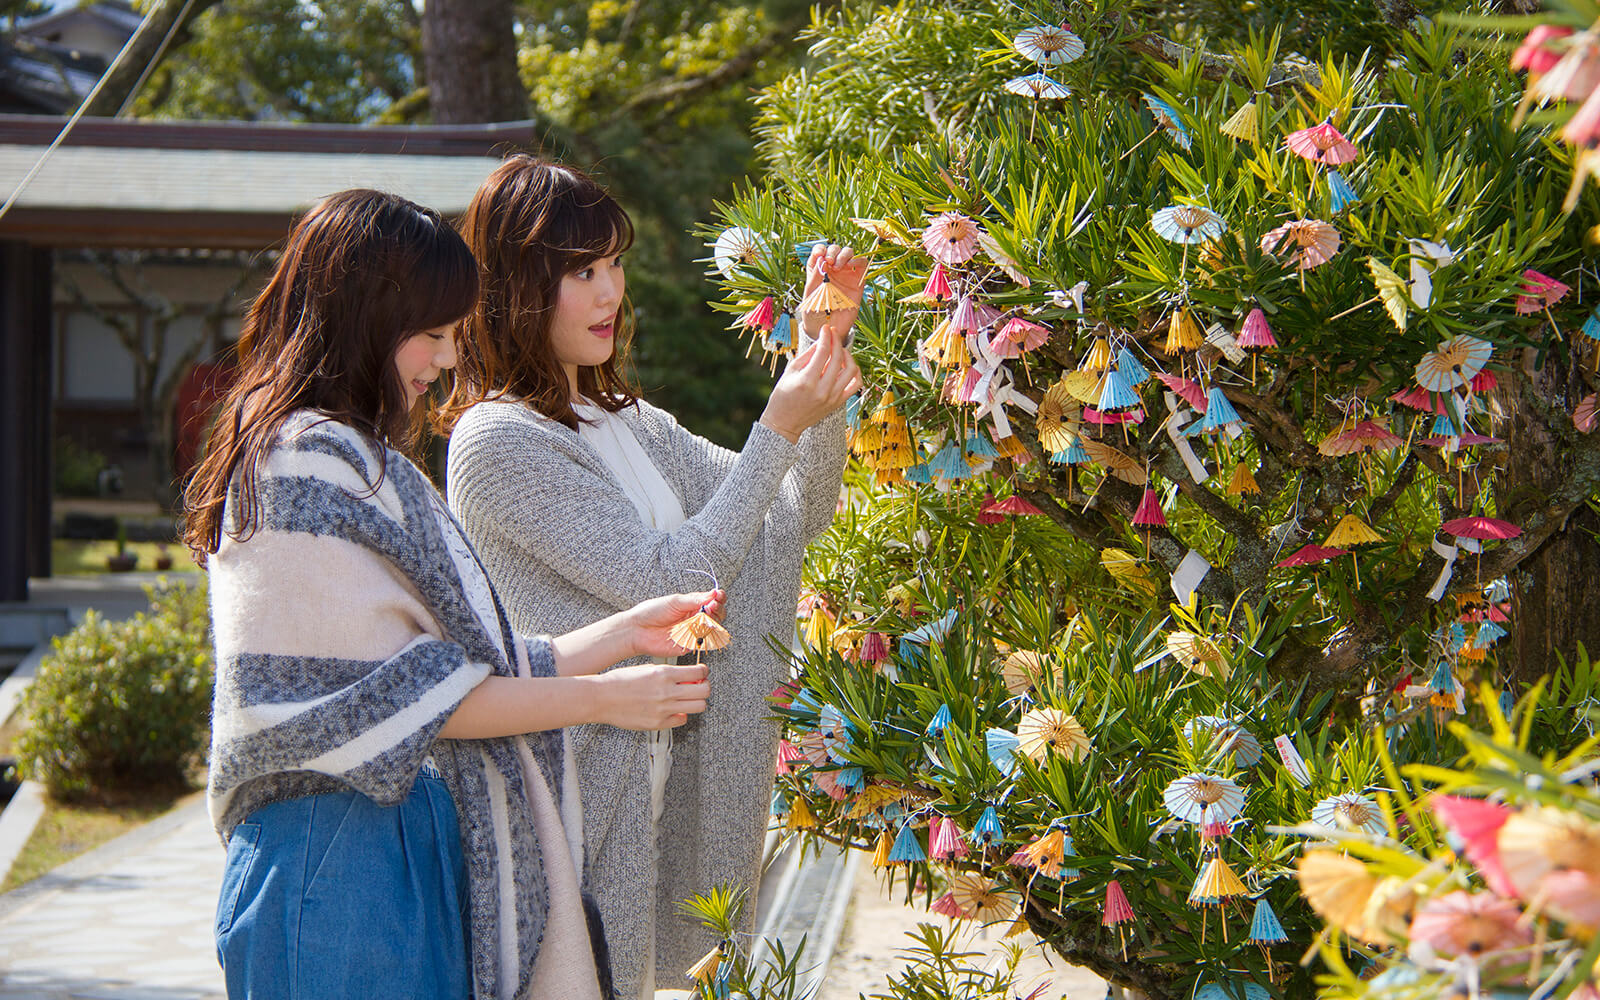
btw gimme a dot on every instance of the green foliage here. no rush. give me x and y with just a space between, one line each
935 970
896 562
77 469
1546 796
122 704
776 977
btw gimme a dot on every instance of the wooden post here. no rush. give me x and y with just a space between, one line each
26 417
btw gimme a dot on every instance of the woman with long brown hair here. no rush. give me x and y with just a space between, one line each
388 769
583 498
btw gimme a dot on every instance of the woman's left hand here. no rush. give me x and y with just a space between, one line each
652 620
847 271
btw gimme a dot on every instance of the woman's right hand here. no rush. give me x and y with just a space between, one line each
813 385
652 695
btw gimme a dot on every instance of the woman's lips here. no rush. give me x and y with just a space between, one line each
601 329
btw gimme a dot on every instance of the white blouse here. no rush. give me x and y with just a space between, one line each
659 508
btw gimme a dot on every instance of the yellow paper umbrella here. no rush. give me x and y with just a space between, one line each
980 898
1243 481
1099 357
698 632
1244 124
705 970
1127 569
880 854
1351 530
1022 671
1115 462
800 817
1084 386
826 298
1198 654
1453 363
873 798
1183 333
1047 855
946 347
1044 729
1057 421
1352 899
1554 857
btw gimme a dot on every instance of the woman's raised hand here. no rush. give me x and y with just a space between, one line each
813 385
847 272
651 695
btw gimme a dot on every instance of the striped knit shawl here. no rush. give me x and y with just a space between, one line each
345 640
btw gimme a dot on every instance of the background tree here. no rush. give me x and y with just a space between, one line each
652 96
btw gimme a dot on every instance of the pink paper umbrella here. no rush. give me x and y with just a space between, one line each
1310 553
1186 389
1536 54
1463 923
1539 291
1308 242
1418 398
1480 528
1584 414
951 238
1322 144
1016 337
1013 505
1477 823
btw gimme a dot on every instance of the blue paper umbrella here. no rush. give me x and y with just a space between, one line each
836 732
1167 117
939 723
805 701
1187 223
1264 925
906 845
950 463
1038 86
1220 414
920 473
1116 393
1132 370
1488 634
851 778
1498 590
1068 850
1233 991
782 336
780 804
1072 454
980 447
1508 703
1445 426
934 631
1002 749
1340 193
987 830
1591 326
852 412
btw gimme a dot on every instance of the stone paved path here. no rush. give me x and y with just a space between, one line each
128 921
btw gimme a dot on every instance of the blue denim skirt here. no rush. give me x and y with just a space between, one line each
333 896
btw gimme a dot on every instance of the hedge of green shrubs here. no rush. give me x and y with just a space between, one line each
123 705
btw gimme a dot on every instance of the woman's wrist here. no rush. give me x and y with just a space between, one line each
777 427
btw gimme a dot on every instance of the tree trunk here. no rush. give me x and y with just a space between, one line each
142 51
1552 607
470 54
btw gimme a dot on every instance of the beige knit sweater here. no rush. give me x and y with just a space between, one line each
564 546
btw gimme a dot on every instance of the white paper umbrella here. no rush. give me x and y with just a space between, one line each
1348 811
1187 223
1204 799
735 246
1228 737
1037 86
1049 44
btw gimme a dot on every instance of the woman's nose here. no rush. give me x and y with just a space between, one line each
445 357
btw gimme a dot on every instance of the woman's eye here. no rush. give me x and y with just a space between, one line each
585 274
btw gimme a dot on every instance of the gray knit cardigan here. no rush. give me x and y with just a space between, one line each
345 641
564 546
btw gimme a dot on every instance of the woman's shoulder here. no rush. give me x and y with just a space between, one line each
311 436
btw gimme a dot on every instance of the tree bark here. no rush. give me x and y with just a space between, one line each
143 50
470 54
1552 607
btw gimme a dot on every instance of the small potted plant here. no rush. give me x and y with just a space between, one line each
163 557
124 560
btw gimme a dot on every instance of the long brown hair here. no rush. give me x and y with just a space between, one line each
530 225
363 271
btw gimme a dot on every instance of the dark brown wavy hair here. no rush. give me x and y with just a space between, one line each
363 272
530 225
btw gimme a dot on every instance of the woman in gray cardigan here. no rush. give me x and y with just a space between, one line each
583 499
